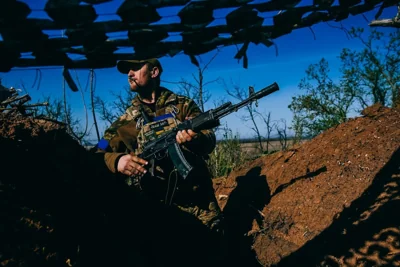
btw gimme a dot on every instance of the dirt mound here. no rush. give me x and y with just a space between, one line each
59 207
43 210
333 201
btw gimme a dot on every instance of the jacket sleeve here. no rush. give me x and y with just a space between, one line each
112 146
205 141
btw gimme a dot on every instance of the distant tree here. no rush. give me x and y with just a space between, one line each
270 126
324 104
281 129
197 90
59 111
109 112
368 76
56 111
241 94
298 128
375 70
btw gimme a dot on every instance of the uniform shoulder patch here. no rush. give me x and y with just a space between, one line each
180 99
132 113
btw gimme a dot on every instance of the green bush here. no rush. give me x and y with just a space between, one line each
227 154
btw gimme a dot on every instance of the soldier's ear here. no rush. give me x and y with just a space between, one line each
155 72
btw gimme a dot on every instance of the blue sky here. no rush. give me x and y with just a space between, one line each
285 64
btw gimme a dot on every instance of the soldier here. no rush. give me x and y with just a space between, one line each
155 110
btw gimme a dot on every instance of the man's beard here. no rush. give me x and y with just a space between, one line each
145 91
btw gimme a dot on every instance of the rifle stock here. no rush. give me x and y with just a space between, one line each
207 120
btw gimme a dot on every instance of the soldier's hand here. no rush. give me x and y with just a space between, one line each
185 136
132 165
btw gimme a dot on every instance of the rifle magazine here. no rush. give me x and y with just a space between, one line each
178 159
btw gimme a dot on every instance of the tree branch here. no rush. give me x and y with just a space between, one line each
385 23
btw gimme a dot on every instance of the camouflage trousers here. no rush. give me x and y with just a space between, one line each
211 217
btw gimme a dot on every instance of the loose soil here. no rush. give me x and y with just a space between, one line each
332 201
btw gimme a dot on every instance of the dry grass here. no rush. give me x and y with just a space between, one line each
252 148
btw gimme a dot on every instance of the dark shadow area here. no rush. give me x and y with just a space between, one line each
244 205
344 235
292 181
59 207
46 203
141 232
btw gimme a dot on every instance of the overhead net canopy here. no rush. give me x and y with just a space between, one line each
87 42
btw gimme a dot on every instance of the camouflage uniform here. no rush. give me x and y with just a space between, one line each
194 195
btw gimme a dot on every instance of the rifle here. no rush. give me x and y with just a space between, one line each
207 120
17 103
24 107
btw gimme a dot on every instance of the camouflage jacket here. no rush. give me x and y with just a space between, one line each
121 137
195 194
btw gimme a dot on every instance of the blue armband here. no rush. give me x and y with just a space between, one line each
103 144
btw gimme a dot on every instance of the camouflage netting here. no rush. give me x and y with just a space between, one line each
86 42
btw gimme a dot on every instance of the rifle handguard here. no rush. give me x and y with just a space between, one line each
203 121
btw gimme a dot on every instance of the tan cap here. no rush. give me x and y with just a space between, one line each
125 65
